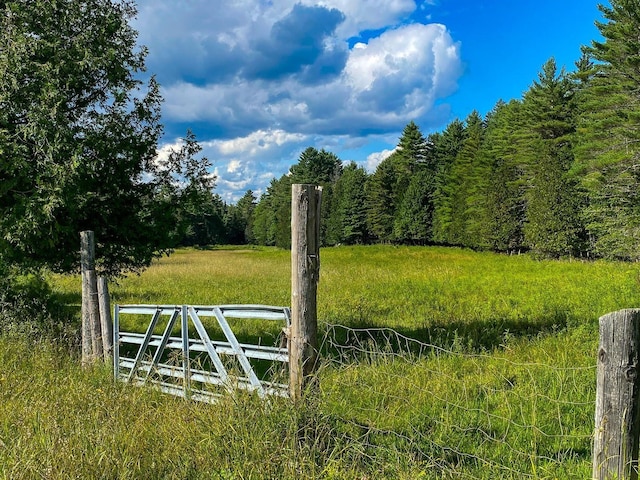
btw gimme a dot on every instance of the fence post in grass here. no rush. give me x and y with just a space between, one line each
305 271
617 419
91 331
106 324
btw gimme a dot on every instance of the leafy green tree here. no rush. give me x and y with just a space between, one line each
78 136
609 134
186 187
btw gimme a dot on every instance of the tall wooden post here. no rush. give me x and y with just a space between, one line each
305 272
617 426
91 331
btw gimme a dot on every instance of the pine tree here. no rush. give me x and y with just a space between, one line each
246 206
608 135
319 167
504 214
347 220
413 196
381 207
445 148
552 227
461 188
413 221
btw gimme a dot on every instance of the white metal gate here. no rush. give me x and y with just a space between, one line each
199 368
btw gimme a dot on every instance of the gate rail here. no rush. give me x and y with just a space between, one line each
168 361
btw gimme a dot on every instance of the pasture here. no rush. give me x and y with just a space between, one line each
489 372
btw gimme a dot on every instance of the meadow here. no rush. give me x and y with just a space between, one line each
488 372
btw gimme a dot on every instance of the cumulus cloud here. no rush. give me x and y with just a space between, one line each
393 79
376 158
369 15
249 162
265 77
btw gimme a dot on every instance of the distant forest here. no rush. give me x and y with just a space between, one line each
555 173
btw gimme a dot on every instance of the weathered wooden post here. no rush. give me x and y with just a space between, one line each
91 331
305 271
106 324
617 426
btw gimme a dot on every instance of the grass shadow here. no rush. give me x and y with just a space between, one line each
463 336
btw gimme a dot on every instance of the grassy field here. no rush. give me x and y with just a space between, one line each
508 393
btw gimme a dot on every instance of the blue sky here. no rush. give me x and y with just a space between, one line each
258 81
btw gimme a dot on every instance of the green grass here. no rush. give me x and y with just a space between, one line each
427 293
511 395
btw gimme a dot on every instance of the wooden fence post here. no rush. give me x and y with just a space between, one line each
91 331
617 420
106 324
305 271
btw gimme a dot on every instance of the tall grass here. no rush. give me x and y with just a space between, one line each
441 295
503 385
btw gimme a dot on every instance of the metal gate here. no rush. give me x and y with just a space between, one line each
200 368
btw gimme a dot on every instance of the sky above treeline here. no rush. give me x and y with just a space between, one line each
259 81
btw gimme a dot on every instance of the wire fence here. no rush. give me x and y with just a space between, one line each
447 413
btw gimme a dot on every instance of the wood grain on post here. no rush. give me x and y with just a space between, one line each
91 331
617 420
106 323
305 271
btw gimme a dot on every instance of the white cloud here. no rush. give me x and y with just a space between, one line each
258 141
255 107
233 166
421 57
369 15
392 80
376 158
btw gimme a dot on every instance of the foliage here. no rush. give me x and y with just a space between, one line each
505 207
608 134
78 135
347 222
552 226
30 309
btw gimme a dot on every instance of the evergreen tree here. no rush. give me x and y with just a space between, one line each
347 221
461 187
78 137
381 206
264 216
552 227
504 214
445 148
318 167
415 215
609 131
246 206
411 153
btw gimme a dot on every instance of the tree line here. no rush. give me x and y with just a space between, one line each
555 172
